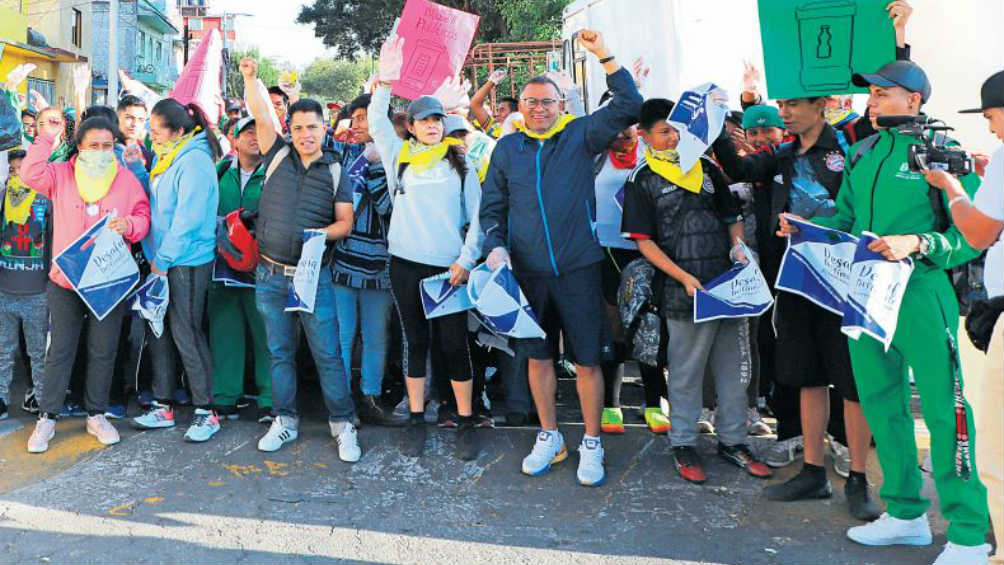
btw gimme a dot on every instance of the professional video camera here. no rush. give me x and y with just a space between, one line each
932 153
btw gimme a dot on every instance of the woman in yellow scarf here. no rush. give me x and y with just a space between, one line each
434 231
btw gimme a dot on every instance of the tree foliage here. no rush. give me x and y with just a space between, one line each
353 27
334 80
267 71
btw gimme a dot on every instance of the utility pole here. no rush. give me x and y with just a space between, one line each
185 56
112 96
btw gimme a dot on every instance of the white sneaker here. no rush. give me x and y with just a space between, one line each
755 425
893 531
45 429
281 432
348 441
590 473
955 554
841 457
205 424
99 427
706 423
785 452
547 450
158 416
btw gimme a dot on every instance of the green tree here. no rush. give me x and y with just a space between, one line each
267 71
354 26
334 80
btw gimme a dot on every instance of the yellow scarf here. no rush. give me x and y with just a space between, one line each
17 214
563 121
92 188
666 164
166 152
421 157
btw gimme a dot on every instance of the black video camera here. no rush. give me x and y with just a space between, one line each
933 153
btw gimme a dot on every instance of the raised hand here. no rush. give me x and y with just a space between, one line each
592 41
17 75
391 59
497 76
37 100
81 79
751 77
249 68
453 93
899 12
640 72
290 84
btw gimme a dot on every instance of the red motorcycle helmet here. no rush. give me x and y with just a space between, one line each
240 237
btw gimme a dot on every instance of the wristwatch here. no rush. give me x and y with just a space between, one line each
925 245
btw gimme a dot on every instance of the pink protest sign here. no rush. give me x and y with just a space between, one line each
437 39
199 81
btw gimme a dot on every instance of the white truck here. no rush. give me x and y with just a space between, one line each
690 42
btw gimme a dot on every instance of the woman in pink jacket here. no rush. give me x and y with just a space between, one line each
83 190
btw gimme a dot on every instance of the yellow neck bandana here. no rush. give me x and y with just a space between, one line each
166 152
563 121
421 157
18 201
94 182
666 164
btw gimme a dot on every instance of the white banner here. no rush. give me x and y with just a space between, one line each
817 265
699 116
440 298
500 304
303 285
876 291
151 302
740 292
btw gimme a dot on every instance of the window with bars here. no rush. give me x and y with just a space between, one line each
78 28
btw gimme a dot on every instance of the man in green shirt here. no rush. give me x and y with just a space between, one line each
882 195
232 310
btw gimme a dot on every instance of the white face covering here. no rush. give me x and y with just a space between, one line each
95 162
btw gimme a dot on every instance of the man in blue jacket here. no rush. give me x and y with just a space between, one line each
539 203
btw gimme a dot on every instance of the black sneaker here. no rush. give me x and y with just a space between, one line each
228 412
30 404
265 415
688 464
741 456
371 412
413 442
859 499
243 402
803 486
467 442
3 410
483 417
446 416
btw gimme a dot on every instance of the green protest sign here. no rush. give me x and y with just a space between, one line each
812 47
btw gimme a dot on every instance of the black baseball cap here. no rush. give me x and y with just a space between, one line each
991 95
906 74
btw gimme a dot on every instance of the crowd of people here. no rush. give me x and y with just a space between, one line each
531 184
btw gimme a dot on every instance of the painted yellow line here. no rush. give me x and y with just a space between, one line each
21 468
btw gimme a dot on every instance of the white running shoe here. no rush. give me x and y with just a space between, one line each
841 457
590 472
706 423
348 441
281 432
755 425
893 531
547 450
955 554
45 429
99 427
205 424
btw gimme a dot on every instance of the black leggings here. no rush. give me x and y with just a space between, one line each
448 334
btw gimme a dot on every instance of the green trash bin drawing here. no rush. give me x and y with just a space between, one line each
826 43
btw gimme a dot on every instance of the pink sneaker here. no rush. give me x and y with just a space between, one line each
45 428
99 427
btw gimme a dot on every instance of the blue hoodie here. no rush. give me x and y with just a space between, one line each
183 202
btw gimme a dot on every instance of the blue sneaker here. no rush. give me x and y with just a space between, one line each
72 410
115 412
145 399
590 472
182 398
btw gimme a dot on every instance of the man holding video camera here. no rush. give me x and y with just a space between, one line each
884 191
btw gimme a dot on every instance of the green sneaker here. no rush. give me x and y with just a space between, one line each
612 421
656 420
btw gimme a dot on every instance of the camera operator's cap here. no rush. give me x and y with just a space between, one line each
242 124
735 116
991 95
234 105
452 123
906 74
425 106
762 116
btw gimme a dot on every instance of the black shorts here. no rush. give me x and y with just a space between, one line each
572 302
810 350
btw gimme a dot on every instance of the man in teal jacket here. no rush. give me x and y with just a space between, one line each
881 194
232 310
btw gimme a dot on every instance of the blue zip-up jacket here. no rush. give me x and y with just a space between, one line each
183 203
539 198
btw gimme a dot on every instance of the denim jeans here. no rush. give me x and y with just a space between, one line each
321 329
367 309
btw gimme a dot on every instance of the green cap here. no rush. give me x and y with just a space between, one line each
762 116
